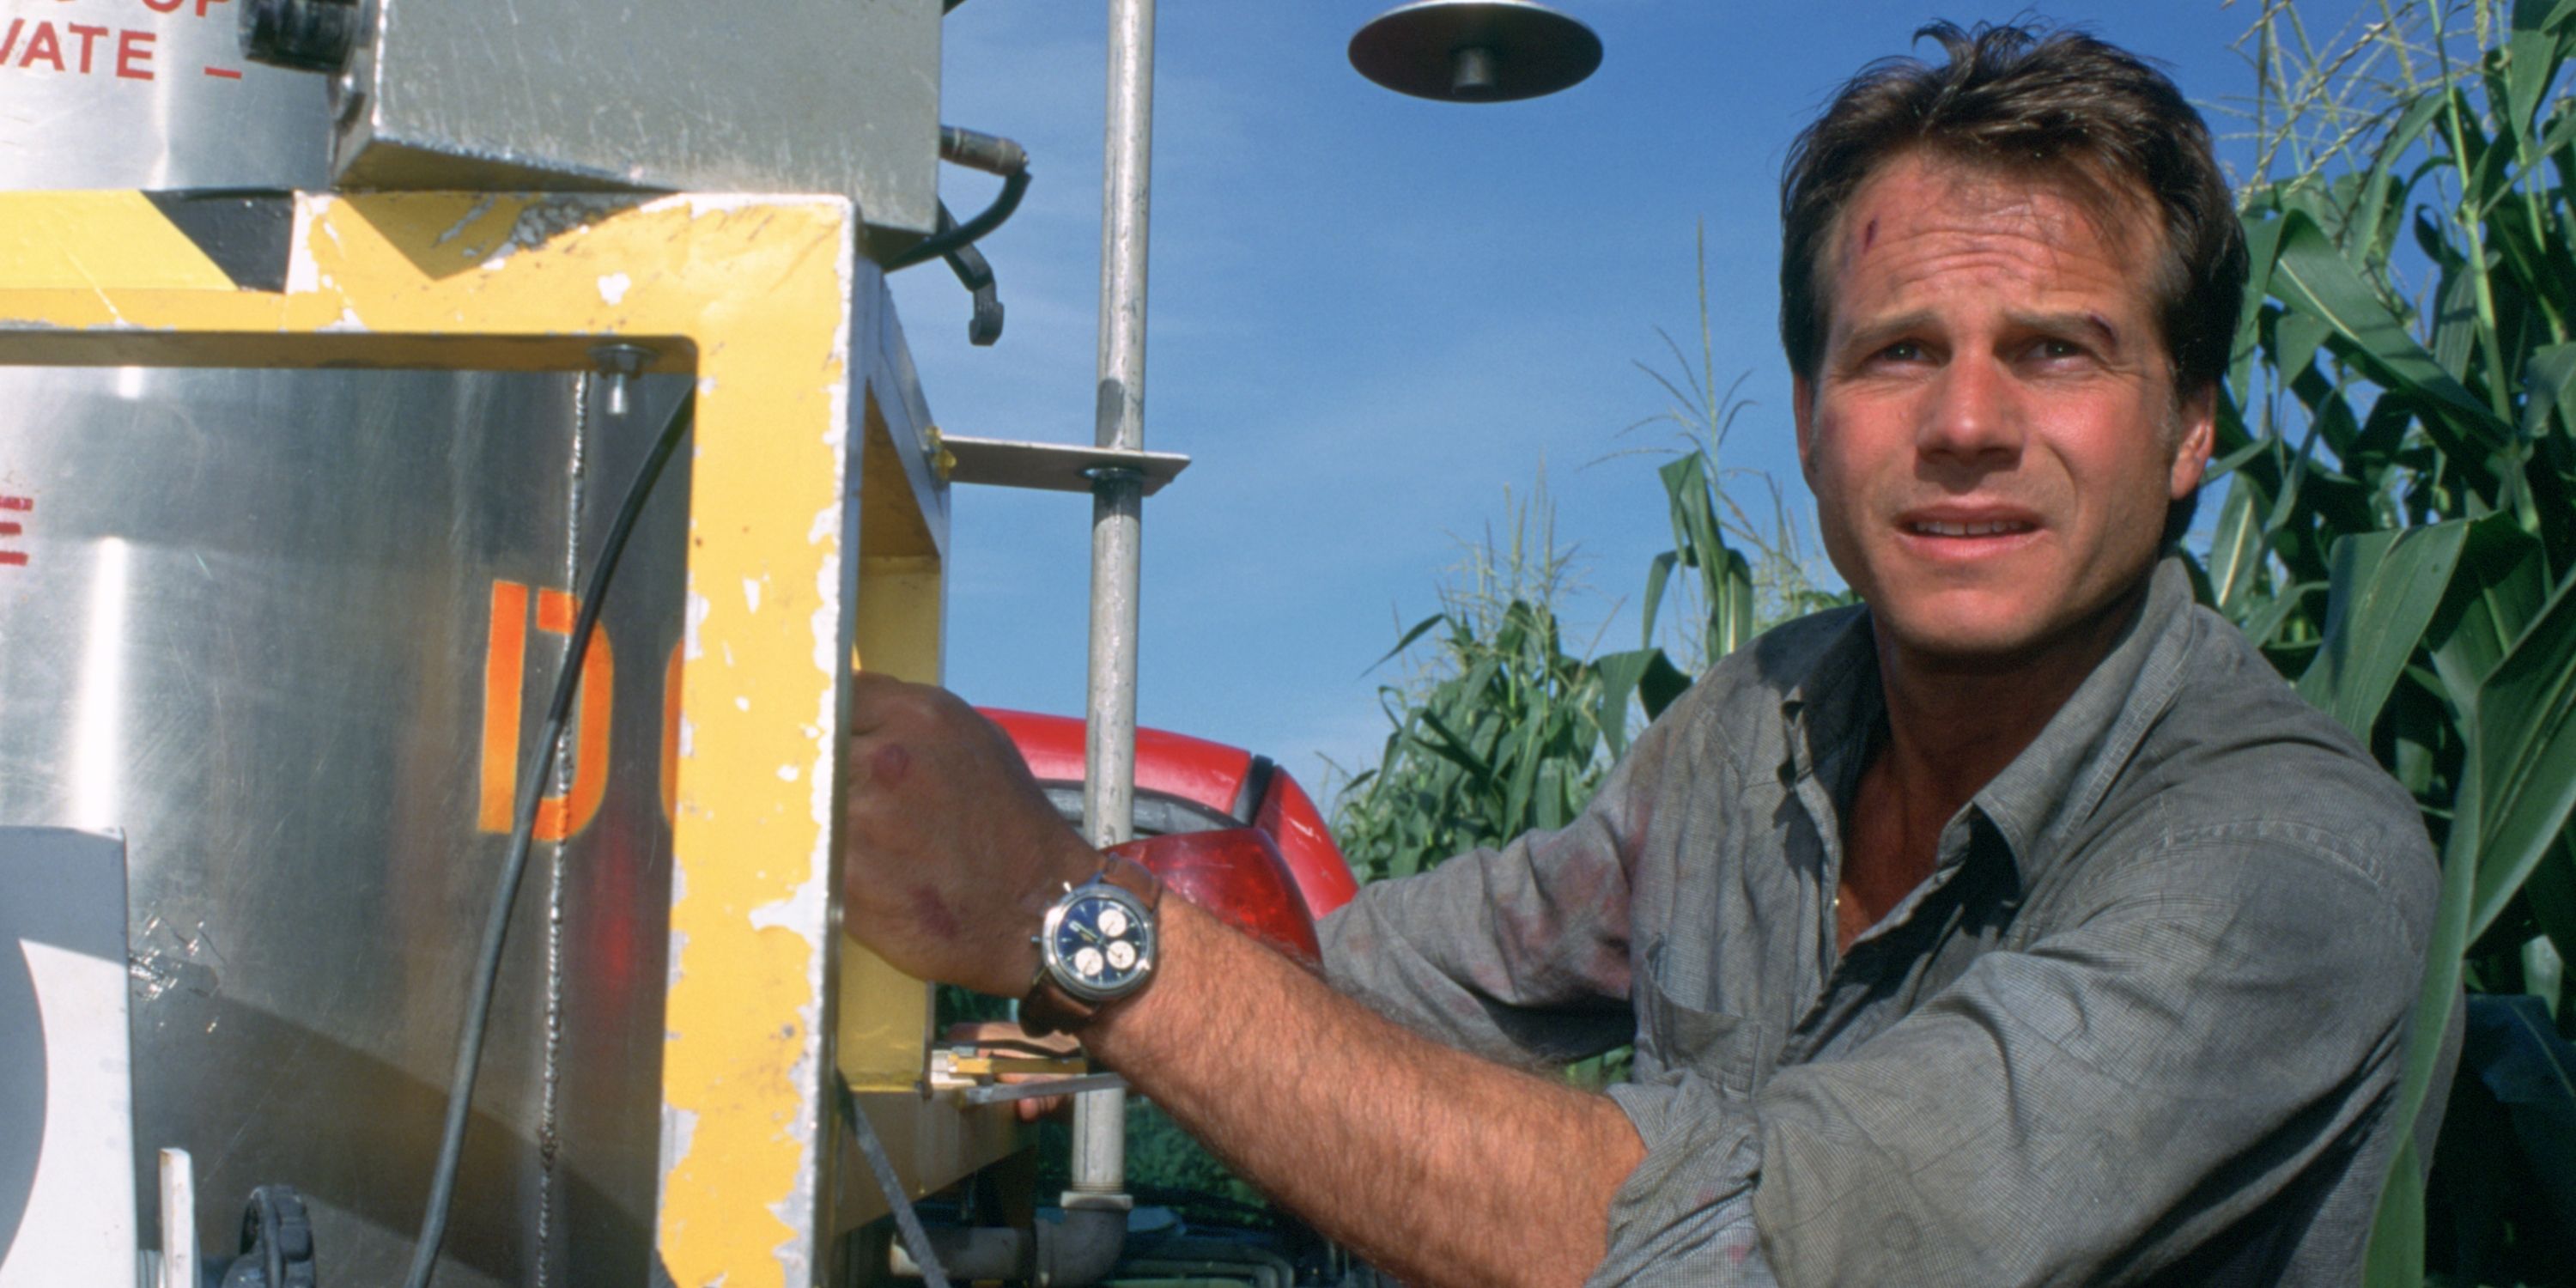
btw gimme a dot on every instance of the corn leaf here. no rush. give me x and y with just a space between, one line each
2314 277
2512 1047
2396 1256
2525 735
2385 589
2532 55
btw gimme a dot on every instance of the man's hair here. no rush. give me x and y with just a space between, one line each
2058 107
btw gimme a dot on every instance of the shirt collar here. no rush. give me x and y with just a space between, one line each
2063 774
2057 780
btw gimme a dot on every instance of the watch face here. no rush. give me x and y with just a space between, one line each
1098 942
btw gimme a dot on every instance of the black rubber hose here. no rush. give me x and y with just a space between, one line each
496 927
966 234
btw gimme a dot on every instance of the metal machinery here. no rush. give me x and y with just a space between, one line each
317 394
321 392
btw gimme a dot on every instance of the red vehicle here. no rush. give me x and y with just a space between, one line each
1250 825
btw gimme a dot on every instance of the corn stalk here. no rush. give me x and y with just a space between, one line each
2399 536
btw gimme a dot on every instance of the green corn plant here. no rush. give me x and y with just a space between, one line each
1502 731
2398 534
1745 574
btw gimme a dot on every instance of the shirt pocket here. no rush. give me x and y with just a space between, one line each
1724 1049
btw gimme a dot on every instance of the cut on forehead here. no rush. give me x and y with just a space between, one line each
2122 216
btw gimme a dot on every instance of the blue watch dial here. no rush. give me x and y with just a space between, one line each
1098 942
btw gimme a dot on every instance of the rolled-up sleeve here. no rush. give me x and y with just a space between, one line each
1518 954
2087 1107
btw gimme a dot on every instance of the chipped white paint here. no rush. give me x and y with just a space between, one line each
613 287
787 773
698 610
742 704
300 268
347 321
679 1125
474 212
827 618
706 386
688 748
802 911
751 594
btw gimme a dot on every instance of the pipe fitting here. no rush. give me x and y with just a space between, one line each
1077 1250
305 35
1083 1247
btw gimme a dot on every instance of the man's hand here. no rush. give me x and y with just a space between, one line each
951 854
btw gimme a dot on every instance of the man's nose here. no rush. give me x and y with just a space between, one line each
1973 415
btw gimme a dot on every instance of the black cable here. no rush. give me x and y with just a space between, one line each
496 930
966 234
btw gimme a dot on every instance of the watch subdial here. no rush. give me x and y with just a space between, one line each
1087 960
1122 955
1113 923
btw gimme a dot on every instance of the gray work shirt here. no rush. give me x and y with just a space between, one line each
2143 1023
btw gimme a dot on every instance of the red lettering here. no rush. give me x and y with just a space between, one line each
88 38
164 6
134 55
203 5
11 42
43 45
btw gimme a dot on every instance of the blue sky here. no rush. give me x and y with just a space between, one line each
1370 315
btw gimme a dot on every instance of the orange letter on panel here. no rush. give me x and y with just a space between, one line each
504 671
563 816
504 676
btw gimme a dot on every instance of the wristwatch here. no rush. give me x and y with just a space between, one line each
1095 947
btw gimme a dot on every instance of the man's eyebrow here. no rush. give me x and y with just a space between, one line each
2085 322
1868 336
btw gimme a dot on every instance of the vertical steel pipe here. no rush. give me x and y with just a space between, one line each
1109 778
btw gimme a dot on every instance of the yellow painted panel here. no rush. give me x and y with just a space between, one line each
755 293
885 1015
89 241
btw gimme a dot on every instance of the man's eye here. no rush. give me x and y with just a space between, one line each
1902 351
2058 350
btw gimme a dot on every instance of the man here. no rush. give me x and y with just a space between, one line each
2021 927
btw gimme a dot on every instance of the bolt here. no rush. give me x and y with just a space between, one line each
305 35
621 363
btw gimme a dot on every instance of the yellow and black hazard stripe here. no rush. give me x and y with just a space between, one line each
192 239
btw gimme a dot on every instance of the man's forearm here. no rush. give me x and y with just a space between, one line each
1436 1165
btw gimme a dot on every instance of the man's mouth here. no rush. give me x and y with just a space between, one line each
1982 528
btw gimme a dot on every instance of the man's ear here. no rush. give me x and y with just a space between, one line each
1802 408
2198 434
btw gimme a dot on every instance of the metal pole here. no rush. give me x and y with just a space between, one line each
1109 778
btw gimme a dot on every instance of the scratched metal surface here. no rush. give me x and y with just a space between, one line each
246 616
252 628
677 94
119 94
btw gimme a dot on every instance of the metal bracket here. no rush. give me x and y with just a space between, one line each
1050 467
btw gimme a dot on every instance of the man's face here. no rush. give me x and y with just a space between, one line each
1992 433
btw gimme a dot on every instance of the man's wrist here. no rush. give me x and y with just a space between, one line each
1098 947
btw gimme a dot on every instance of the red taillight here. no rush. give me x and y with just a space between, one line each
1237 875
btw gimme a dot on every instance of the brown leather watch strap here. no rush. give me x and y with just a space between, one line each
1048 1008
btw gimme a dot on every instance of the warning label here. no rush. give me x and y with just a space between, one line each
128 50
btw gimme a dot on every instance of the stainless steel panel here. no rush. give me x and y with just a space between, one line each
150 94
251 628
680 94
66 1085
